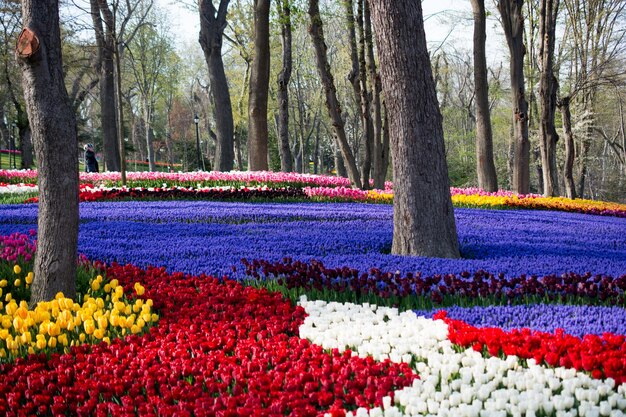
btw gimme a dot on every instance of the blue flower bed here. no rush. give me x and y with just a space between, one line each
575 320
212 237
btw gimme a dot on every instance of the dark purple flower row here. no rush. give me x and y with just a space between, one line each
477 285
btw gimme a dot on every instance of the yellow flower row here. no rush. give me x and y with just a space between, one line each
56 325
529 202
542 203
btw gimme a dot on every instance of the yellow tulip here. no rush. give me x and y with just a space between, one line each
17 269
89 326
17 282
3 283
41 343
98 334
52 342
82 337
95 285
29 278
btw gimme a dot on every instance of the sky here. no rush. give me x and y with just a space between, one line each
448 21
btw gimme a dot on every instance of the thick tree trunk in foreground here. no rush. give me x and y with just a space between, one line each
259 87
485 165
212 25
513 25
330 92
548 86
286 158
423 218
53 127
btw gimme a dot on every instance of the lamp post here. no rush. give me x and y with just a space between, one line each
196 120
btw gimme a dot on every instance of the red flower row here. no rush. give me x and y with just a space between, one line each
220 349
190 194
602 356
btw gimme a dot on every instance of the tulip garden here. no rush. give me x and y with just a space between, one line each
267 294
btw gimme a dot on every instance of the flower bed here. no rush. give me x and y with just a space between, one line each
223 348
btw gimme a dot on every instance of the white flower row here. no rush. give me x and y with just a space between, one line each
455 383
18 188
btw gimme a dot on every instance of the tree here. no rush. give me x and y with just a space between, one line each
358 79
104 25
259 87
149 56
485 165
10 17
333 106
423 214
593 50
513 25
212 25
284 77
54 136
548 86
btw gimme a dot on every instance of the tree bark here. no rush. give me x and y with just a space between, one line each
548 86
358 79
212 25
513 25
284 13
485 165
54 133
259 89
105 42
330 92
424 222
380 146
568 168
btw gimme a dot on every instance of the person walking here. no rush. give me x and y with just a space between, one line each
91 163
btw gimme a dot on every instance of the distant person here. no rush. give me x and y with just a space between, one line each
91 163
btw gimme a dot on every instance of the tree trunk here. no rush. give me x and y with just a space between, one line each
212 25
358 79
286 158
485 165
328 83
513 25
105 42
147 114
54 134
259 88
26 146
424 222
380 147
568 168
548 86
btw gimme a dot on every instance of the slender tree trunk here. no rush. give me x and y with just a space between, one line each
513 24
259 88
148 131
284 13
105 41
55 138
380 148
330 92
485 165
212 25
424 222
548 86
26 146
358 79
568 168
